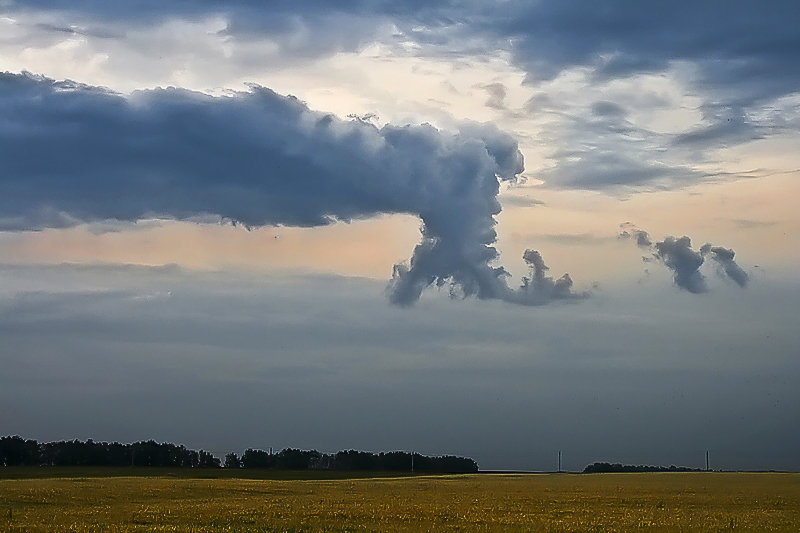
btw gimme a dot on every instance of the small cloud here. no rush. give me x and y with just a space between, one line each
641 237
608 109
572 239
497 95
743 223
724 258
520 201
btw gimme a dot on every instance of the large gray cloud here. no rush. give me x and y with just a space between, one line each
75 153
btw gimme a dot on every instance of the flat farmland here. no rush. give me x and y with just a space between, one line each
478 502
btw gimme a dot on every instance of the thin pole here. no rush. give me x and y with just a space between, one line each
412 461
707 461
559 460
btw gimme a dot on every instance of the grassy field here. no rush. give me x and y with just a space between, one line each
479 502
29 472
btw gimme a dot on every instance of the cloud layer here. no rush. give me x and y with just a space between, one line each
732 84
76 153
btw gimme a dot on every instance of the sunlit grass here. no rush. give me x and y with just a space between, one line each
481 502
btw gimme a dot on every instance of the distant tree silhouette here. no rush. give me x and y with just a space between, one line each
257 459
16 451
608 468
232 461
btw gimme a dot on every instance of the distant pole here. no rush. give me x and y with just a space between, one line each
412 462
707 461
559 460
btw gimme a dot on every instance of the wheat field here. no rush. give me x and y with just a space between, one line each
480 502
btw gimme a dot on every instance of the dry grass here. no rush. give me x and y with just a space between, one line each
482 502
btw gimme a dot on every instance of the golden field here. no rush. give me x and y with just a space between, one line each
478 502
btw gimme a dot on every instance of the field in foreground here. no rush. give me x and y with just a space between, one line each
479 502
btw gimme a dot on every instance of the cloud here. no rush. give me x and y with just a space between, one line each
568 239
737 80
211 42
606 167
520 201
619 39
614 39
539 288
74 153
497 95
684 262
641 237
724 257
608 109
678 256
600 148
745 223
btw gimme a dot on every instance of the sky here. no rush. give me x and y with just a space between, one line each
496 229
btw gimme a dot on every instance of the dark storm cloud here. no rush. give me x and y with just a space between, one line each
74 153
678 255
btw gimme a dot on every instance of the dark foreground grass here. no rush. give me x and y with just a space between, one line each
481 502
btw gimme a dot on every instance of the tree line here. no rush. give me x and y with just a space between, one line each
16 451
606 468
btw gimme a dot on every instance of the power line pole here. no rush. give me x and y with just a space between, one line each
412 462
707 461
559 460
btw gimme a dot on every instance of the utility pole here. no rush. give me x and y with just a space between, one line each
559 460
412 462
707 461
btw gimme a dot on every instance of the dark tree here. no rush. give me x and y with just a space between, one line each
232 461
